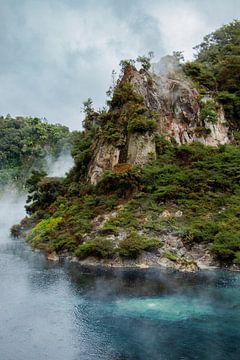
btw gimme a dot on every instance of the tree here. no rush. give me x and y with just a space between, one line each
145 61
42 191
217 67
178 55
90 114
124 64
113 84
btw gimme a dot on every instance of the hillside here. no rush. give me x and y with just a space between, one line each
25 145
156 176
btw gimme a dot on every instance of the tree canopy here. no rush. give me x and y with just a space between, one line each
216 68
24 143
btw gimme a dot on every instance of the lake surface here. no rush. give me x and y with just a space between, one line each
62 312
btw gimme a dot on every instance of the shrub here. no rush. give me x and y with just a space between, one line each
209 111
170 256
237 258
108 228
119 182
16 231
40 232
99 247
134 243
164 146
124 93
141 124
226 244
110 131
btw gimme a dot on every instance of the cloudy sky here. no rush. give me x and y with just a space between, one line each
54 54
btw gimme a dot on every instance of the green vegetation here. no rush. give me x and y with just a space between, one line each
217 68
42 191
134 243
98 247
142 121
170 256
201 182
40 234
209 111
24 144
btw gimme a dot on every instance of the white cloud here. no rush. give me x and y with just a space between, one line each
181 26
72 56
55 54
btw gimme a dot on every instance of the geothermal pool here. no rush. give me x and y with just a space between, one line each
63 312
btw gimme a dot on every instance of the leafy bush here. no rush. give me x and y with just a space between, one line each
40 233
227 244
124 93
81 152
209 112
43 191
170 256
99 247
134 243
122 183
66 244
110 131
141 124
237 258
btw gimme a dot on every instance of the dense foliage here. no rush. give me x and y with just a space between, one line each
217 68
24 144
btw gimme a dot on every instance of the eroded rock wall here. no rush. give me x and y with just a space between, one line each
177 106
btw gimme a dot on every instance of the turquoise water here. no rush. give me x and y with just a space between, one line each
63 312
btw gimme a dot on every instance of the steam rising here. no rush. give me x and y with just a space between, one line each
12 202
11 210
60 166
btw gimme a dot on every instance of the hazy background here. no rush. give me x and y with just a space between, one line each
57 53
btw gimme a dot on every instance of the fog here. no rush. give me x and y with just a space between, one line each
61 165
12 202
11 209
55 54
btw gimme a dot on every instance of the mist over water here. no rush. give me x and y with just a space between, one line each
65 312
11 209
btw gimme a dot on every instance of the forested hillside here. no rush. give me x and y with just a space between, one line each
217 68
25 143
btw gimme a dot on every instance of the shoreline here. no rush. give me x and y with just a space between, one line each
129 264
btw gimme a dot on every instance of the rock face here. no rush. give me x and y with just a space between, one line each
106 156
141 149
180 116
179 107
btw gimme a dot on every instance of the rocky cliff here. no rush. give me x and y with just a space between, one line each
180 210
163 105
